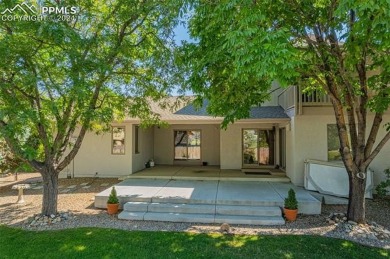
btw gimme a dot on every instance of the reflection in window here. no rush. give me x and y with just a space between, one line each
333 143
118 140
258 147
187 144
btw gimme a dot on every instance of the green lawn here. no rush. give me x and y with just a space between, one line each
110 243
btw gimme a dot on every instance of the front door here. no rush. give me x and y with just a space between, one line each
258 147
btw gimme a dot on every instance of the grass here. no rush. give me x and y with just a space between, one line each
112 243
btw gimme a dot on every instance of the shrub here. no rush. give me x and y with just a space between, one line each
113 198
291 202
381 188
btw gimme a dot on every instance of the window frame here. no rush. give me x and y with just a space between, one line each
200 146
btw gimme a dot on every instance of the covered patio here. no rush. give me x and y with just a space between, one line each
178 172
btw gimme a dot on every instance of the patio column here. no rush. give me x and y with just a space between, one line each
277 145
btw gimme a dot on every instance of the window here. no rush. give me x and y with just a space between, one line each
187 144
282 148
118 140
136 139
333 143
258 147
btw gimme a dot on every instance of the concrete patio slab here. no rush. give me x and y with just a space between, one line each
307 204
141 190
177 172
248 193
161 172
221 197
239 175
184 191
196 172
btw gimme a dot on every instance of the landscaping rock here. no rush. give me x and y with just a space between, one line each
336 218
371 231
39 220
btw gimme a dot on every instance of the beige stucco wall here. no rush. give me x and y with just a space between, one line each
307 139
146 147
164 149
95 156
231 143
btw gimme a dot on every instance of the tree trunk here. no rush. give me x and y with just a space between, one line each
356 205
50 191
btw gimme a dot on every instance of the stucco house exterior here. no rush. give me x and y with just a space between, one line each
281 133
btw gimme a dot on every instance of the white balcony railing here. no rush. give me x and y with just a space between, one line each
288 98
294 97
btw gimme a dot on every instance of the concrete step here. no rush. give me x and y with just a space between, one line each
179 217
250 220
128 215
202 218
240 210
134 206
182 208
202 213
203 209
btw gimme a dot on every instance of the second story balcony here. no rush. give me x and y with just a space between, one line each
293 99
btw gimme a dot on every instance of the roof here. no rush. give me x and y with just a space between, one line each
260 112
182 109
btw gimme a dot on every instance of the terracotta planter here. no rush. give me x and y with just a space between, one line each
291 215
112 208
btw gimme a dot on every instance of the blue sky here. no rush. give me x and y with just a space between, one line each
181 34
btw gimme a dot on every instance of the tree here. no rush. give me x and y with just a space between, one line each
60 79
340 47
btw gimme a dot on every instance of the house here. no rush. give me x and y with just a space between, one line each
282 133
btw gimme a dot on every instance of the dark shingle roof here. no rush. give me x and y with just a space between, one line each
267 112
262 112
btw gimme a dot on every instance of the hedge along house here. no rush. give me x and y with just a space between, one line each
282 133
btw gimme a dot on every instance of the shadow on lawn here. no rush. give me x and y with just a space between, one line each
110 243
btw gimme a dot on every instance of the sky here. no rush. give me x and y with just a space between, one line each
181 34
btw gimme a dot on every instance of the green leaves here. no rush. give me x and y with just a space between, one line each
239 54
243 46
59 75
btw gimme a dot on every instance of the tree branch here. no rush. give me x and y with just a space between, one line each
373 134
377 149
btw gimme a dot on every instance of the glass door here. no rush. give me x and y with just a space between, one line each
258 147
250 147
187 144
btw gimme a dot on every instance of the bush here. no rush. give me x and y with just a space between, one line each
381 189
113 198
291 202
8 161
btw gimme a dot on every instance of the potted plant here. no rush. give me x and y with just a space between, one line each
291 206
113 202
